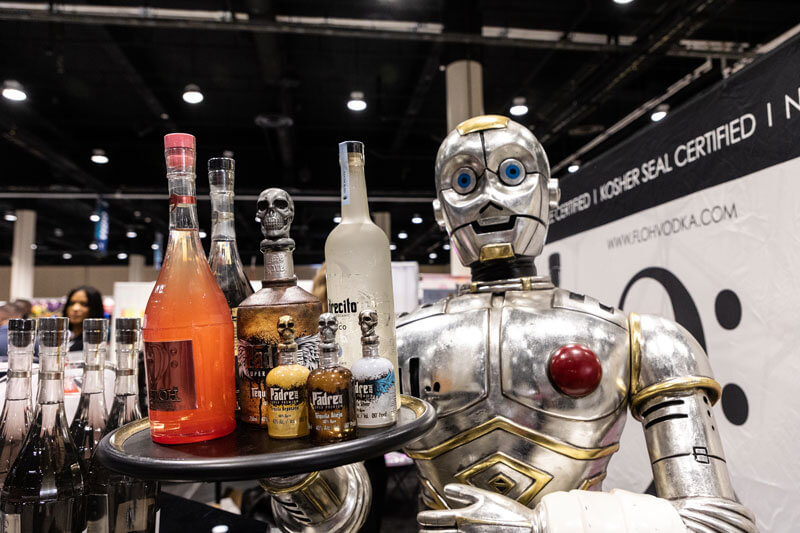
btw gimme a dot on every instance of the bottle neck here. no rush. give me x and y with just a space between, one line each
370 350
182 201
51 375
125 383
329 358
288 357
19 373
222 219
278 263
355 208
94 360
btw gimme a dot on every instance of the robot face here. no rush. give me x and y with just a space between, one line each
286 329
493 190
327 327
368 320
276 211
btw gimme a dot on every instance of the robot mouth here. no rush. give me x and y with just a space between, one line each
507 224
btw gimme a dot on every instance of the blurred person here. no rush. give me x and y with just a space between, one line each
82 302
22 307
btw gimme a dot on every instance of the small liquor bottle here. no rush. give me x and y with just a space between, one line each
89 424
258 315
188 331
288 407
330 390
119 503
44 490
373 375
17 410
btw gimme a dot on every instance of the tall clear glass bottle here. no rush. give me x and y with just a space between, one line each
359 264
188 332
226 265
89 424
44 490
17 409
119 503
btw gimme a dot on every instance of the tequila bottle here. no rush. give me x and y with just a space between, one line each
330 390
359 267
17 409
44 490
258 315
188 332
89 424
286 383
374 378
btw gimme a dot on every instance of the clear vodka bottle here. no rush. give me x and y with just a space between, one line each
44 490
89 424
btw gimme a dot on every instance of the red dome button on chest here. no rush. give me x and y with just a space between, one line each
575 370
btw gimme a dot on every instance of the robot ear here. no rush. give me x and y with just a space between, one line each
437 214
555 192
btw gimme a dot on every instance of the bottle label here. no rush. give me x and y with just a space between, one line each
170 375
345 166
375 400
326 401
288 411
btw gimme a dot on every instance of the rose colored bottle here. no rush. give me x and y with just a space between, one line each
188 332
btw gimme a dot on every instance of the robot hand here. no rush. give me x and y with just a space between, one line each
715 514
484 512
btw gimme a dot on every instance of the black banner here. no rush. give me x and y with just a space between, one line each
743 124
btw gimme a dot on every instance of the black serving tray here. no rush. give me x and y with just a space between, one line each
248 453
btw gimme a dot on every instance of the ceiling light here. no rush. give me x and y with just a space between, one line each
519 108
356 102
154 246
416 219
446 247
130 234
58 232
227 153
402 235
12 90
164 116
337 219
137 213
203 234
99 156
66 255
93 246
94 217
393 247
34 246
147 220
660 112
433 255
122 255
574 167
622 2
192 94
10 217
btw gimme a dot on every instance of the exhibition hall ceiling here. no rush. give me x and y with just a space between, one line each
276 78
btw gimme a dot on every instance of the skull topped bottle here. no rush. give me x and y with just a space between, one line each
286 383
373 377
257 316
330 390
359 265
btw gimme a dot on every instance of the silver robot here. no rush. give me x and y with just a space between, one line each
531 383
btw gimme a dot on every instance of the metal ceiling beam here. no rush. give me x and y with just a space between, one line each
147 17
325 198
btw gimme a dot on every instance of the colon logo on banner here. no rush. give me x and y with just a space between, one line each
697 218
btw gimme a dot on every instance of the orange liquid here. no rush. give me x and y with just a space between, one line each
187 304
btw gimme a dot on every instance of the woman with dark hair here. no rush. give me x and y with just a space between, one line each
82 302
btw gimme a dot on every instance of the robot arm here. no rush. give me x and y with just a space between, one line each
329 501
672 394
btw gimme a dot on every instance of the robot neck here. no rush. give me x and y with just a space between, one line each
518 267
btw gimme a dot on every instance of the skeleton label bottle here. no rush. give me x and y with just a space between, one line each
258 315
359 265
373 379
330 390
286 385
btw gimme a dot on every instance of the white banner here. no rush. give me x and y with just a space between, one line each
725 263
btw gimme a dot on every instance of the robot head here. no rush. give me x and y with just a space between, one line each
276 211
493 190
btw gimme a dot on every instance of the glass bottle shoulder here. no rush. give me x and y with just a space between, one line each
329 378
280 293
371 368
288 376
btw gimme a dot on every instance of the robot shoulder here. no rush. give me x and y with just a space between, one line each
666 359
563 299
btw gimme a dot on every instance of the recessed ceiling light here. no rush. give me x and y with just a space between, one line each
356 102
66 255
433 255
12 90
574 167
93 246
34 246
130 234
94 217
337 219
416 219
622 2
58 232
519 108
147 220
122 255
10 217
393 247
164 116
192 94
99 156
154 246
203 234
402 235
446 247
660 112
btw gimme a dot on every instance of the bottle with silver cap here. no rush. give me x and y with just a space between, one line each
125 408
373 378
330 390
89 424
45 488
18 407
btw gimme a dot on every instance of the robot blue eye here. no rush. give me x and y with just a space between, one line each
464 180
513 172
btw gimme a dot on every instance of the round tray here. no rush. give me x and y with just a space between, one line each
248 453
